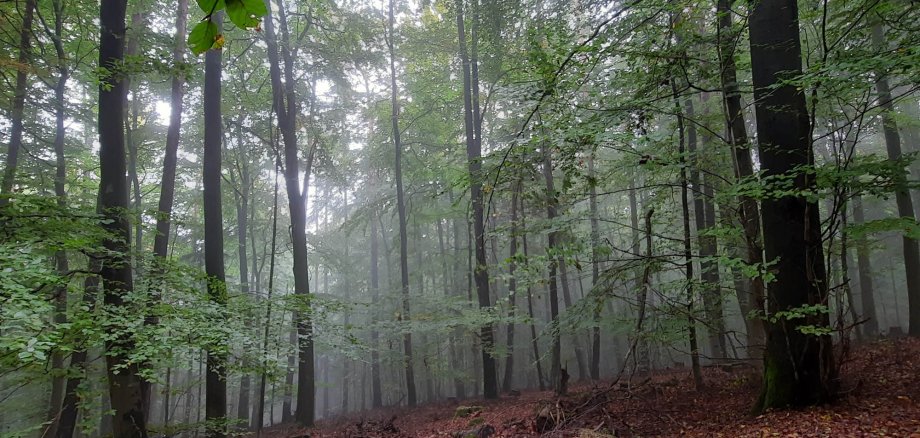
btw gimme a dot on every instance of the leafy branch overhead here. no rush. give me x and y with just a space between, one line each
245 14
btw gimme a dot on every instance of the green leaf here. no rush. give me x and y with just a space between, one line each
202 37
210 6
246 14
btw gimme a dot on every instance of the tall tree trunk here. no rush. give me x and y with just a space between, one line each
474 155
557 379
60 179
242 216
19 99
512 289
864 272
709 269
798 367
124 378
688 253
401 208
595 265
285 106
643 361
215 378
902 193
376 394
67 422
533 328
456 285
260 414
132 116
744 169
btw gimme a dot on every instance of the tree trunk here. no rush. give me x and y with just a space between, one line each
285 106
124 379
595 266
533 329
798 367
19 99
60 179
555 372
242 216
688 253
401 208
902 193
260 414
508 380
864 272
744 169
376 395
474 155
215 377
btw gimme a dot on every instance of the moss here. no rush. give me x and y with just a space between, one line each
466 411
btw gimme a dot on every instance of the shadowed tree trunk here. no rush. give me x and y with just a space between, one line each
541 381
688 253
284 102
401 208
60 179
752 301
512 289
595 265
125 390
555 372
864 272
215 377
798 367
902 194
474 155
19 98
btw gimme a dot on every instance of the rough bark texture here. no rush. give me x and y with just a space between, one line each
798 367
124 381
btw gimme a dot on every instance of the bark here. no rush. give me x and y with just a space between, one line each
643 360
798 367
376 395
533 328
474 155
125 390
902 194
556 371
242 223
67 422
595 266
743 169
864 273
508 380
401 208
215 377
19 99
60 179
704 217
285 106
688 253
260 414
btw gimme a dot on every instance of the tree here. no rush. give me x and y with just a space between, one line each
284 104
474 156
401 209
798 359
19 99
124 379
216 392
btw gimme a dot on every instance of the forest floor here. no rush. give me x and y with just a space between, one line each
880 397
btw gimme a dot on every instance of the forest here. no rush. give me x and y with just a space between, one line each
459 218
